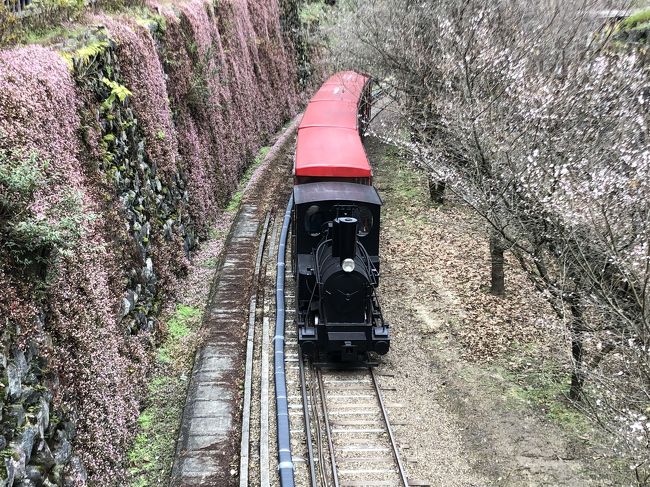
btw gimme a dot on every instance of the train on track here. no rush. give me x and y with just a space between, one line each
336 227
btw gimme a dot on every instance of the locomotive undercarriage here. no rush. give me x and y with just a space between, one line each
342 342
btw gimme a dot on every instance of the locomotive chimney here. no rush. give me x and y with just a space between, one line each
344 243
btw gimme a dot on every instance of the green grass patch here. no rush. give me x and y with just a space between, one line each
235 200
402 185
163 356
152 452
216 233
405 180
178 325
141 453
407 184
210 263
636 19
261 154
549 398
184 320
542 385
145 419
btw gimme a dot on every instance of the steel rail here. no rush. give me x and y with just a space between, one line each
244 456
265 464
285 459
307 418
393 443
264 408
319 434
328 429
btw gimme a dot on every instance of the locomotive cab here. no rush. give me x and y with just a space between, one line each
335 259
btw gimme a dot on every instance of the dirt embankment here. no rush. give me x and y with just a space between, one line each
473 379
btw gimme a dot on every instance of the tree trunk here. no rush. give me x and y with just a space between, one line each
577 376
498 285
437 190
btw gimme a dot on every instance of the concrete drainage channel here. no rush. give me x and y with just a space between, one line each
209 440
208 417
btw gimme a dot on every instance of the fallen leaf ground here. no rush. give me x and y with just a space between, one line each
476 381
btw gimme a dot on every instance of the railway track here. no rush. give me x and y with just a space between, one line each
338 420
355 446
257 293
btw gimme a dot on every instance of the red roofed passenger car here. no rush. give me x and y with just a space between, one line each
329 144
335 227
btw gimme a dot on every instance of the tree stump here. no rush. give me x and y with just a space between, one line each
437 190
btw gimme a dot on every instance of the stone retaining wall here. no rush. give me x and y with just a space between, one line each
118 147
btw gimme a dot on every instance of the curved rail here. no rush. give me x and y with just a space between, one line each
285 460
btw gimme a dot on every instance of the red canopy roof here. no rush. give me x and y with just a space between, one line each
330 113
329 144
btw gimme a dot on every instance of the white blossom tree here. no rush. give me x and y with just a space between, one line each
530 113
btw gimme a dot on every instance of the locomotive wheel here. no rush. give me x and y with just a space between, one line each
381 347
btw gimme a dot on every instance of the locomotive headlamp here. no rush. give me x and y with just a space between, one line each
347 265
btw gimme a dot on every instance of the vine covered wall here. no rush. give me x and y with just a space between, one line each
119 145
